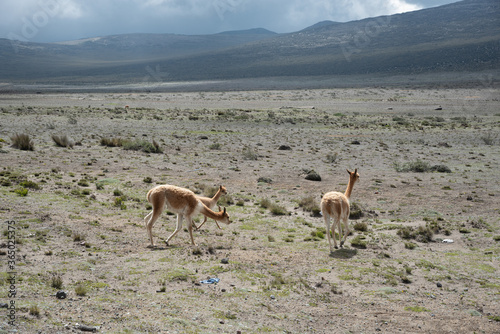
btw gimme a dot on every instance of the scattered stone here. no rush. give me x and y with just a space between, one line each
441 169
355 142
203 137
284 148
273 297
4 305
61 294
439 285
85 328
224 261
313 176
264 180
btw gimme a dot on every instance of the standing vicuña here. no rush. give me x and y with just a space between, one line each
184 203
211 203
335 205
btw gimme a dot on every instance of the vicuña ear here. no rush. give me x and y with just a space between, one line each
224 210
348 171
356 171
219 207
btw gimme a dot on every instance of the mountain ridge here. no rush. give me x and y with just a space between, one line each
463 36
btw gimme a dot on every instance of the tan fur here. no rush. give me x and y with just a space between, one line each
181 201
335 205
211 203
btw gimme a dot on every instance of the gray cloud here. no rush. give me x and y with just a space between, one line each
57 20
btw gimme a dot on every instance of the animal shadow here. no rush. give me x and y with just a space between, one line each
344 253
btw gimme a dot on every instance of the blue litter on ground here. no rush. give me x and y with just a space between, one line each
210 281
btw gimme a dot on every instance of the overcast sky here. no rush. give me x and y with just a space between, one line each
62 20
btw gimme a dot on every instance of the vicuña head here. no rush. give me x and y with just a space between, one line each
224 216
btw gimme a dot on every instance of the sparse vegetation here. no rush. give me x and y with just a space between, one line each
309 204
81 290
249 154
142 145
63 141
274 269
56 282
22 142
112 142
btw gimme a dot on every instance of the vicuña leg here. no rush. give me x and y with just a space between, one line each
327 223
150 219
178 228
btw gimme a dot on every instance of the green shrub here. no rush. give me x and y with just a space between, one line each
29 184
23 192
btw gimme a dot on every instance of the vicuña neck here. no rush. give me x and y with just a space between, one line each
211 214
350 185
217 195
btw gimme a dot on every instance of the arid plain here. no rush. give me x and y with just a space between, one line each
423 256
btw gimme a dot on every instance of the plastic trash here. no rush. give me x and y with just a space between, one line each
210 281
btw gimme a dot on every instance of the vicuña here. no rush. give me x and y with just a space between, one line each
184 203
211 203
335 205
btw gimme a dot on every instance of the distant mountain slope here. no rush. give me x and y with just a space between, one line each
463 36
43 61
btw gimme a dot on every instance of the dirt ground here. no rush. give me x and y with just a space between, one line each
76 213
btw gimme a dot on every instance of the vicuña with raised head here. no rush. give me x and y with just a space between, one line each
211 203
335 205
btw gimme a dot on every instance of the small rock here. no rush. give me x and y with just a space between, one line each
4 305
284 148
224 261
439 285
273 297
61 294
313 176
